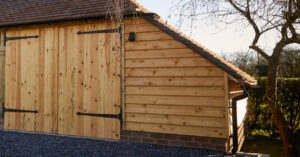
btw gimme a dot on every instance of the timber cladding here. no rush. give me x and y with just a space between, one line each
86 77
61 73
169 88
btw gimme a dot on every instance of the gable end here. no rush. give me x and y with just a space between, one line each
205 54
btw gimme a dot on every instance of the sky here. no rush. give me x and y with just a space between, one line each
221 41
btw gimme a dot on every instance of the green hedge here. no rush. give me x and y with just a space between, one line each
288 98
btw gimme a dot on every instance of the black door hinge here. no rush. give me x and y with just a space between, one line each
17 110
116 116
6 38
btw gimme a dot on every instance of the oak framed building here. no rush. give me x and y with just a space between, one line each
71 70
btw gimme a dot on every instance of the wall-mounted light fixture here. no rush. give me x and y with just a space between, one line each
131 36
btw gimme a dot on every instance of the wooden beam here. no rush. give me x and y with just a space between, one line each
175 120
202 71
177 129
161 53
2 71
176 110
226 105
175 100
236 93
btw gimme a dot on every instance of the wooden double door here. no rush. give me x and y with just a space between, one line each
64 80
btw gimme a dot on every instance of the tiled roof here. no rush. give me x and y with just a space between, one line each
19 12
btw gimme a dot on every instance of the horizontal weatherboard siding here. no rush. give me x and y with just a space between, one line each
168 87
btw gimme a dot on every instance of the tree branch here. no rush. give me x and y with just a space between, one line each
247 15
293 40
290 18
260 51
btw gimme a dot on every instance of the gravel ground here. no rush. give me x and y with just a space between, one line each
35 145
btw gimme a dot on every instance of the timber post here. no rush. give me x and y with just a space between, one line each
2 71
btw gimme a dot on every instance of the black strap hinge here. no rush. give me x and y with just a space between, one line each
101 31
6 38
17 110
116 116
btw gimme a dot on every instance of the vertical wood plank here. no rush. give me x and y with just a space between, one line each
227 133
24 83
62 73
41 82
10 79
17 117
48 88
62 66
94 81
116 81
87 85
122 71
49 112
106 84
100 56
54 76
32 79
74 76
80 83
29 55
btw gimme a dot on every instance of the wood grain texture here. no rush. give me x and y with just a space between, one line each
89 81
176 129
168 62
175 120
233 86
176 110
160 53
241 135
144 36
176 91
152 45
169 88
142 27
179 72
31 79
176 81
175 100
62 73
135 21
226 106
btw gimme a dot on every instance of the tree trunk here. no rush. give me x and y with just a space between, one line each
286 133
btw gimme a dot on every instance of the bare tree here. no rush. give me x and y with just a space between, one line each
280 17
290 65
243 60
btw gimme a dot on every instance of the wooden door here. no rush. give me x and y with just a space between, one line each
89 81
56 73
31 80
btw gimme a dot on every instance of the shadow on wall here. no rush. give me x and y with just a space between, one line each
2 72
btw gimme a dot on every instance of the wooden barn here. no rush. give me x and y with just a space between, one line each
72 70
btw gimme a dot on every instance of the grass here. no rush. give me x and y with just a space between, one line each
261 142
